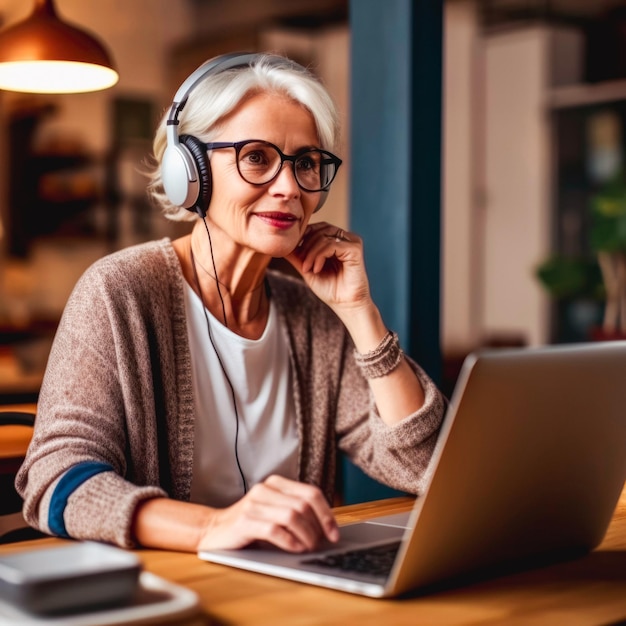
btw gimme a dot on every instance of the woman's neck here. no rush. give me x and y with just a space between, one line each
229 280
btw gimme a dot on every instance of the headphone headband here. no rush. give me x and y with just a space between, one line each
212 66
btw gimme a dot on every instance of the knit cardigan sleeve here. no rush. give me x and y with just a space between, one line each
398 455
337 408
107 429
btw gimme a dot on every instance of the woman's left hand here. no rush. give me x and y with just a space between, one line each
331 262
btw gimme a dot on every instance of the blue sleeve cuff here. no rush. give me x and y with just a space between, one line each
70 481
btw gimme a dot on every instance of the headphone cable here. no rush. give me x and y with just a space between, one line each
219 358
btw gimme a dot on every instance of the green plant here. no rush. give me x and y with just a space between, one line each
567 278
605 275
608 239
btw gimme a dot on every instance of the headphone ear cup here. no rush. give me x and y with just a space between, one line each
179 176
197 150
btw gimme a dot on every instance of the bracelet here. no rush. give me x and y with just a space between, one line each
383 359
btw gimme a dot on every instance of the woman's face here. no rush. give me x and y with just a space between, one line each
269 218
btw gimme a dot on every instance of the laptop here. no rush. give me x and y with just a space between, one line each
527 470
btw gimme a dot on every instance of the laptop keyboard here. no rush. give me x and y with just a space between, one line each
375 561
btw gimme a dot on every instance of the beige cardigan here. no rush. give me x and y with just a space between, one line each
115 419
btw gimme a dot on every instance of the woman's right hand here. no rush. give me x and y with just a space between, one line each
291 515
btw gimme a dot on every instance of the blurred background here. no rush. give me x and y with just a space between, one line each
532 209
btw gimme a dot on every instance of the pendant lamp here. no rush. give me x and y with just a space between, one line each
43 54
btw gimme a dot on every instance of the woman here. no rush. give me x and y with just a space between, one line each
193 399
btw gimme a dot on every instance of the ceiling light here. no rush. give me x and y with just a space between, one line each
43 54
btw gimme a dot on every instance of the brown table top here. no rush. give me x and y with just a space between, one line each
589 590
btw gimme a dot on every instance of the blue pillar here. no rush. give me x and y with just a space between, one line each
396 79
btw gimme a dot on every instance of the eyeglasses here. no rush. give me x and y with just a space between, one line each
260 162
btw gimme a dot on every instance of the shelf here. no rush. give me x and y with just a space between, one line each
587 94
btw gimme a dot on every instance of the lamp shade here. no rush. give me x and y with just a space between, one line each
43 54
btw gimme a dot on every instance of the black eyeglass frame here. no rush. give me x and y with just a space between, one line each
327 158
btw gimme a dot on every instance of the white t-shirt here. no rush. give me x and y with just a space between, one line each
259 371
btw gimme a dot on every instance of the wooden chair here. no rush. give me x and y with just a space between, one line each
16 429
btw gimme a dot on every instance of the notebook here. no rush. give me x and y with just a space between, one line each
527 470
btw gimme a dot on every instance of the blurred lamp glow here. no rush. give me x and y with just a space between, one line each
43 54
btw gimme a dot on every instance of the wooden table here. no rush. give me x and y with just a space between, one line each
590 590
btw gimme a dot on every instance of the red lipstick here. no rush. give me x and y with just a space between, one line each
277 219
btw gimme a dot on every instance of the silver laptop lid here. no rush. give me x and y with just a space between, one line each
531 462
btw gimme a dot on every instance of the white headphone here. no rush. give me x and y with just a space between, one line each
185 167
